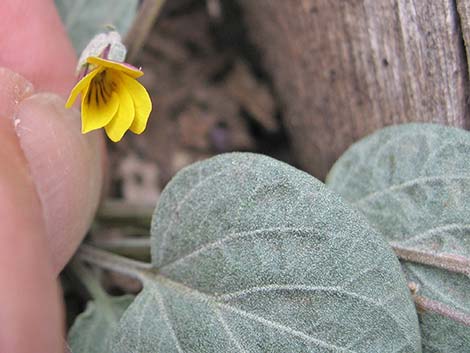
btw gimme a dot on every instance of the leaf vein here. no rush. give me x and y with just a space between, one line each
276 287
436 230
206 297
227 330
230 237
139 324
283 328
166 319
406 184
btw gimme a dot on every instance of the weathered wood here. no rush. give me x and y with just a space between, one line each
346 68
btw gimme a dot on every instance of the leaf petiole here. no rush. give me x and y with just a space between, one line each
450 262
434 306
113 262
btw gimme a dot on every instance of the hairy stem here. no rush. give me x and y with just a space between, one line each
141 26
110 261
450 262
434 306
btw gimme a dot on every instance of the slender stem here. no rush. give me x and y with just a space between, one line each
141 26
117 211
126 243
426 304
110 261
450 262
136 248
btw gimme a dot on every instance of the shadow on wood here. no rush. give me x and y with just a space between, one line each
346 68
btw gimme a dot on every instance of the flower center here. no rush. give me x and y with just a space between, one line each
101 88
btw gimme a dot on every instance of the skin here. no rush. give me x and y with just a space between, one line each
51 175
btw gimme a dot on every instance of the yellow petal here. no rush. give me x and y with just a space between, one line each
97 113
121 122
123 67
81 85
142 103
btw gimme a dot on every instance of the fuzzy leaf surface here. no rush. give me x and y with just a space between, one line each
93 329
413 184
253 255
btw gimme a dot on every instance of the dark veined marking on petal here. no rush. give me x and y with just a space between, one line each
89 93
103 86
106 93
101 92
96 96
98 89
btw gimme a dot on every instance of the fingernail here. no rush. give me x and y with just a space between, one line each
66 166
13 90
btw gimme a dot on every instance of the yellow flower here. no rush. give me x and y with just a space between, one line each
112 98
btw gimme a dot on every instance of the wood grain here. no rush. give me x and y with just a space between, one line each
346 68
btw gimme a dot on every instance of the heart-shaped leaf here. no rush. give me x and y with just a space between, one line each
252 255
413 184
86 18
93 329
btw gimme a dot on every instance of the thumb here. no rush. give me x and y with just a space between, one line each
50 179
50 187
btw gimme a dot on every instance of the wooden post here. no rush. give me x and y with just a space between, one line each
344 68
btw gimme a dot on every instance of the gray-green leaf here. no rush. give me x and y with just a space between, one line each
93 329
413 184
252 255
86 18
